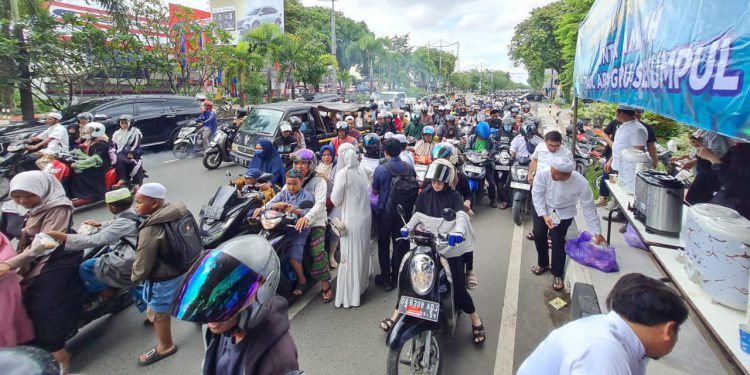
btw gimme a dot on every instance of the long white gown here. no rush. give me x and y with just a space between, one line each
350 195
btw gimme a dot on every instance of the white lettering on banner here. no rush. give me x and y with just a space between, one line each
702 66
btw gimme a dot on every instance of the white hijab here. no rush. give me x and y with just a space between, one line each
348 168
44 186
123 137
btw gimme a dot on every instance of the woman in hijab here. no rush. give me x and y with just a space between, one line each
326 170
267 160
87 183
350 195
127 142
50 283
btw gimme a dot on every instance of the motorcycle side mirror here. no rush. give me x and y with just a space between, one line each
306 205
448 214
265 177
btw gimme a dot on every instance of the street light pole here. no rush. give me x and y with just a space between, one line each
333 44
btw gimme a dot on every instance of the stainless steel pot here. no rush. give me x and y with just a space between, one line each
659 202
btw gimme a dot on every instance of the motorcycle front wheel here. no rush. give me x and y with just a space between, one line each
519 211
408 357
212 160
181 150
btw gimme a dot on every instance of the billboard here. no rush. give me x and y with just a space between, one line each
239 16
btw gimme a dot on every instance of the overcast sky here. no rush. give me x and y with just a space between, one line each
482 27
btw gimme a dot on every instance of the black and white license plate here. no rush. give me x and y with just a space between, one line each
419 308
211 212
502 167
473 169
519 185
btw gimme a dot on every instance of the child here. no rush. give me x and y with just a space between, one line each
15 325
161 279
289 199
249 183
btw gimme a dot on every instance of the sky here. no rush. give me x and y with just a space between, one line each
483 28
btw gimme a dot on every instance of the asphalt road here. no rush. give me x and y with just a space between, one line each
343 341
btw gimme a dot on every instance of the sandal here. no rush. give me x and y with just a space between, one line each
325 292
300 289
332 264
479 334
503 205
387 324
530 236
539 270
471 280
152 356
558 284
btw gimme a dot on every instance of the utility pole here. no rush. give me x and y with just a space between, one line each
334 84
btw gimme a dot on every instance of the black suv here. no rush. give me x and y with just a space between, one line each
159 117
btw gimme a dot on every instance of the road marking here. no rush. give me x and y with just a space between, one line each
507 337
185 158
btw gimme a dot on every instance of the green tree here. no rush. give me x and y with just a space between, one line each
366 51
534 44
243 65
263 41
567 37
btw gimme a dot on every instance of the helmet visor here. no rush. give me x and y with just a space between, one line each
439 172
215 289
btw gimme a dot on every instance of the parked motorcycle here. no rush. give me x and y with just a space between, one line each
224 215
474 169
426 304
187 141
277 227
9 166
520 189
220 147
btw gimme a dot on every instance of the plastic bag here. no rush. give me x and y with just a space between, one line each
632 239
584 251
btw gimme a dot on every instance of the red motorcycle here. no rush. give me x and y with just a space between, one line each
60 168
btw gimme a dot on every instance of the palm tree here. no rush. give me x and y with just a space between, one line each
366 50
263 41
241 64
290 50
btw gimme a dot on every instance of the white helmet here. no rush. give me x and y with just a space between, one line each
441 108
96 128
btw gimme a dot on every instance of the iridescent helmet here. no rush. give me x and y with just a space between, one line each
228 281
445 150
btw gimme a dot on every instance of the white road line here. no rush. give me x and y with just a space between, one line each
507 338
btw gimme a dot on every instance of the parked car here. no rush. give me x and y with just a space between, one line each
263 123
533 97
258 16
321 97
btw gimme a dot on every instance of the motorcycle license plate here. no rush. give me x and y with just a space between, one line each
473 169
419 308
502 167
211 212
519 185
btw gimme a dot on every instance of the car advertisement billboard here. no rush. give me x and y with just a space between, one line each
240 16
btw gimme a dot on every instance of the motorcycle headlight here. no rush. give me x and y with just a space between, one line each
475 158
422 273
270 219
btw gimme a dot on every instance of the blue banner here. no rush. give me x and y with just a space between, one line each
684 59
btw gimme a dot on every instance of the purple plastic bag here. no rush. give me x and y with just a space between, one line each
632 239
373 199
583 251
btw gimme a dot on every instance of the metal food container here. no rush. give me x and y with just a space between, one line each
663 201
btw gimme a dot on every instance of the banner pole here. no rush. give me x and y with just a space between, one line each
575 125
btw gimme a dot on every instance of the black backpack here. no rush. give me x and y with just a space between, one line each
404 191
185 242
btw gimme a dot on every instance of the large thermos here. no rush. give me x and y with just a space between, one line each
718 246
659 202
631 162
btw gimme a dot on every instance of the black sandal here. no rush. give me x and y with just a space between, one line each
530 236
479 334
558 284
152 356
323 295
299 290
387 324
539 270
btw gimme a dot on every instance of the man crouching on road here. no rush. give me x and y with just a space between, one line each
556 192
643 321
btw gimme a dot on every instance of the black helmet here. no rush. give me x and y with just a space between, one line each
528 128
341 125
372 145
230 280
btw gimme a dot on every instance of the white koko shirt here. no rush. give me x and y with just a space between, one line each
544 158
630 134
563 196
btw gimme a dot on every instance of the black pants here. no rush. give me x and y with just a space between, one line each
705 184
469 260
491 185
503 188
388 231
557 234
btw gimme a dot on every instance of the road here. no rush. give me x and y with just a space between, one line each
344 341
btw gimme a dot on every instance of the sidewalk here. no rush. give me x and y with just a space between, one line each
697 351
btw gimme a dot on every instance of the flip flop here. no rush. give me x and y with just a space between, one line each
152 356
557 284
539 270
471 280
387 324
323 295
479 334
530 236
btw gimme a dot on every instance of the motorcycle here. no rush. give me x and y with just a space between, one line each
9 166
187 140
60 168
220 147
421 163
520 189
224 215
277 227
474 169
426 303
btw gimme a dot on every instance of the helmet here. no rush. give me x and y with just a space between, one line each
28 360
508 120
200 96
127 118
428 130
481 117
515 110
424 109
525 116
304 154
372 145
370 139
381 115
483 130
445 150
528 128
441 108
389 114
85 116
401 138
579 124
295 121
229 280
208 104
285 126
349 118
97 129
450 118
341 125
526 107
441 170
